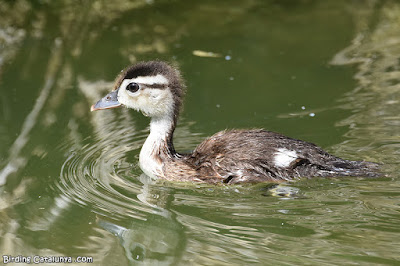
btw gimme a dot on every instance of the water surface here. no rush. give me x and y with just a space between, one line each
323 71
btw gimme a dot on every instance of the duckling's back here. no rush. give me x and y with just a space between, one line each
250 156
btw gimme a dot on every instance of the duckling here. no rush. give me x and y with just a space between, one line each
232 156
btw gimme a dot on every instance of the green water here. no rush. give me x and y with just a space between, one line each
323 71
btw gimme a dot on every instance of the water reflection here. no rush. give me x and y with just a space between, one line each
71 184
132 210
152 220
102 176
16 159
374 127
157 241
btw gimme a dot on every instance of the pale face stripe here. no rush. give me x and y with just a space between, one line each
158 79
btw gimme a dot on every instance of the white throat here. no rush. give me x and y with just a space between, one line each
154 144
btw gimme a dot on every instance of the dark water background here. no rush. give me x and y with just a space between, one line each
323 71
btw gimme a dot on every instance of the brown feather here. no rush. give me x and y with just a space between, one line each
238 156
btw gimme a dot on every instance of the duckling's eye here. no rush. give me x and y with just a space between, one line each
132 87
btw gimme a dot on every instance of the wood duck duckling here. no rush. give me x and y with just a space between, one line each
236 156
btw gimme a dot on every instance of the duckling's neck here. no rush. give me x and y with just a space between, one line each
158 146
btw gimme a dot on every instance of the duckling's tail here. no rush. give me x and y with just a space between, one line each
356 168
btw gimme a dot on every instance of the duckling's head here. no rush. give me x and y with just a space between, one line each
155 88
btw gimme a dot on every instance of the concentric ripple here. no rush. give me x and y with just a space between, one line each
98 173
102 171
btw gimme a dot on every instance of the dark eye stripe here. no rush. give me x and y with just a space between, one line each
155 86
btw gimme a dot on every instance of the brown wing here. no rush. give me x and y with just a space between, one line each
239 156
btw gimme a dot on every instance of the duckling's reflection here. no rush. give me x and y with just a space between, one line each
157 240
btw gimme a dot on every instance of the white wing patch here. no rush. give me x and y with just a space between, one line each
284 157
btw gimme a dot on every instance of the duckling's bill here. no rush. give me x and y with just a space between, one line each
107 102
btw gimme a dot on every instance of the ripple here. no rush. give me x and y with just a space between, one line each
98 173
102 171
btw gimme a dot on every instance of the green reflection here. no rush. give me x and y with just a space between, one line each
72 186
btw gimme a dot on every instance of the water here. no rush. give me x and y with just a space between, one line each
322 71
